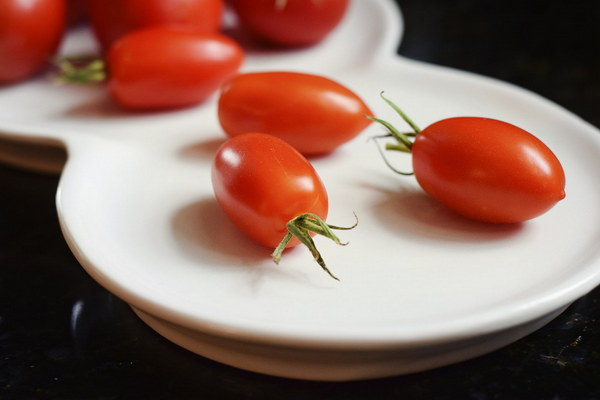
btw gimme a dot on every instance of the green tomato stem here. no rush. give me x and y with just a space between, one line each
301 227
80 69
401 114
404 140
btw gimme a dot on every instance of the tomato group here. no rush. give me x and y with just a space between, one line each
312 113
290 22
111 19
484 169
30 32
164 67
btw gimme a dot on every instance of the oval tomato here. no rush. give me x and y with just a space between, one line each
290 22
487 169
272 193
30 32
261 183
482 168
163 67
312 113
111 19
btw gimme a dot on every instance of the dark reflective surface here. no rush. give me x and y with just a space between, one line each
64 337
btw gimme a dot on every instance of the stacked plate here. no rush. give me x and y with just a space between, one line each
420 287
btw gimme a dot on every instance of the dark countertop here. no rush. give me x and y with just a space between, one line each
64 337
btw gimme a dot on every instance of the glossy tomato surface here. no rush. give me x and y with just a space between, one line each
30 32
290 22
163 67
261 183
487 169
112 19
312 113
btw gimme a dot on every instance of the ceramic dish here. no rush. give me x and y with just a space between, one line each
420 287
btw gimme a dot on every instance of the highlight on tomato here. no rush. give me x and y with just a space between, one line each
290 22
111 19
272 194
30 33
481 168
312 113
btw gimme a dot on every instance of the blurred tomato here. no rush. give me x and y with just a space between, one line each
30 32
165 67
290 22
111 19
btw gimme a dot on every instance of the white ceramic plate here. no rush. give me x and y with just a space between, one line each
420 287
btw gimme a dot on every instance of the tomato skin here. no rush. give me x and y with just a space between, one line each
163 67
111 19
487 169
30 32
261 183
295 23
312 113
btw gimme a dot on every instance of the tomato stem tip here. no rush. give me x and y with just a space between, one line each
301 227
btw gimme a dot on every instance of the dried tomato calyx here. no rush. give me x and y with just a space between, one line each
301 227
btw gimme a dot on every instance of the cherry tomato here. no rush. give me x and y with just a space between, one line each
30 32
290 22
261 183
272 193
312 113
163 67
112 19
485 169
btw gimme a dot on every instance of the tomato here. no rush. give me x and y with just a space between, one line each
486 169
163 67
261 183
312 113
30 32
290 22
271 193
112 19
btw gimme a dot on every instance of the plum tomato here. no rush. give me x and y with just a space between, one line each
483 168
30 33
312 113
111 19
271 193
290 22
164 67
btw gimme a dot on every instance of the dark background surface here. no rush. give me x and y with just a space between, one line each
551 48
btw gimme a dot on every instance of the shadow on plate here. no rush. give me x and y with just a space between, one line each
204 233
409 211
204 150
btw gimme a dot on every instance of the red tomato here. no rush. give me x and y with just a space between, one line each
163 67
261 183
112 19
272 194
30 32
312 113
290 22
487 169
